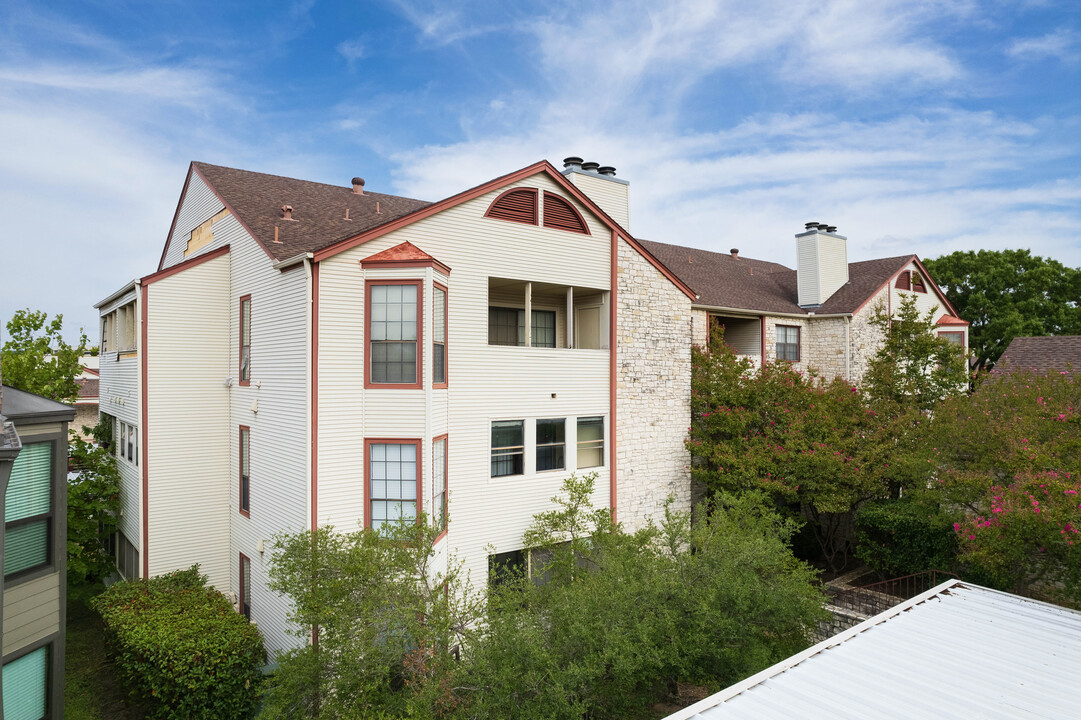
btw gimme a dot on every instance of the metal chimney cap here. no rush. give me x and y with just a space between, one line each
822 226
734 251
831 229
811 225
606 170
358 181
590 166
571 161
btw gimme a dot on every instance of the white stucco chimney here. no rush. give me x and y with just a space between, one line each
602 186
821 263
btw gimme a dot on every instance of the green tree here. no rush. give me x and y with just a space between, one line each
913 367
37 359
708 602
818 447
1007 294
93 506
388 622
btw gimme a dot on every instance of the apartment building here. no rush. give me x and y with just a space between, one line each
309 355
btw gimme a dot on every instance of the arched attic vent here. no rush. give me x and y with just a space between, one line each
517 205
561 215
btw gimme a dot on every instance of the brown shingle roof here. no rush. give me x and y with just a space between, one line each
88 388
757 285
1043 354
318 209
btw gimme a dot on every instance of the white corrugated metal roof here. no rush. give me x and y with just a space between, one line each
956 651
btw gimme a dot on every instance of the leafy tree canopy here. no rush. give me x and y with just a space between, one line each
36 358
1007 294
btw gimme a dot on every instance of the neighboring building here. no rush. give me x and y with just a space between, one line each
86 403
309 355
817 316
1061 354
33 482
956 651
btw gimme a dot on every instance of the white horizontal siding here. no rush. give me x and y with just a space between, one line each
280 434
189 430
486 382
199 204
118 388
612 197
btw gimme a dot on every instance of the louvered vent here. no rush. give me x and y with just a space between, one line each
903 282
917 283
560 214
518 205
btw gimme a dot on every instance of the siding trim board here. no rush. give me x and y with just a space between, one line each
613 306
144 545
314 499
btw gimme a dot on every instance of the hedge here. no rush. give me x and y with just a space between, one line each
905 536
180 649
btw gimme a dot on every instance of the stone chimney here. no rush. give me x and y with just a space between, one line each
602 186
821 263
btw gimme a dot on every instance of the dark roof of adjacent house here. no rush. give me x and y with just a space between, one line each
88 387
724 281
20 405
319 210
1060 353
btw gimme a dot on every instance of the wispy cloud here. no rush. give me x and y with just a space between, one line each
1062 44
438 24
352 51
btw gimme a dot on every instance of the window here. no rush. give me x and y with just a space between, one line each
245 471
245 586
551 444
508 447
245 340
28 513
788 343
439 483
127 558
955 338
544 328
507 567
590 442
506 326
108 331
392 482
127 443
393 309
439 337
125 317
26 686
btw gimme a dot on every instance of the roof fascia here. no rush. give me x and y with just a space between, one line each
233 212
767 313
119 293
182 266
938 290
542 166
176 214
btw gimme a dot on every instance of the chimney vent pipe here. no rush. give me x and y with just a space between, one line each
831 228
822 226
287 212
607 170
358 185
590 166
735 253
572 162
811 225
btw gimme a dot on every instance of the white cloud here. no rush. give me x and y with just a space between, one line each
352 50
1063 44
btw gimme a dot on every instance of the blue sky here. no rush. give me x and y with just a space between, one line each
912 125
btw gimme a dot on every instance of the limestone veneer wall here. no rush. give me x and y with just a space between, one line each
653 391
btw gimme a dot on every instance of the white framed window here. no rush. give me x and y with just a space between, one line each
551 444
508 447
127 443
590 442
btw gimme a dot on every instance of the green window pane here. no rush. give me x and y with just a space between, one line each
26 546
25 683
30 484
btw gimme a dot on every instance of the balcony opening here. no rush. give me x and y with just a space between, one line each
534 314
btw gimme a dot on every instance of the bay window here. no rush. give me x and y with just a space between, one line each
393 482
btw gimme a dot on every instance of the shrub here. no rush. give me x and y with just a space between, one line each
180 649
905 536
